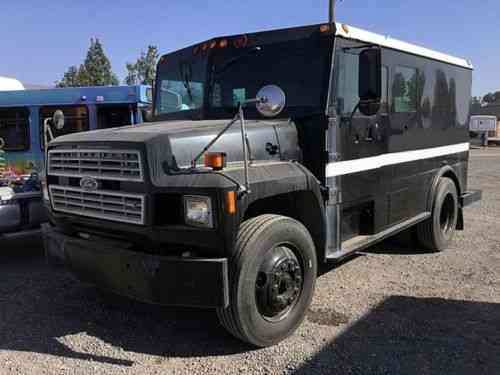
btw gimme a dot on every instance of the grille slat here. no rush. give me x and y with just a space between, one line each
116 206
122 165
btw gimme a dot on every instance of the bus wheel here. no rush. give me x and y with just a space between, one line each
272 279
436 233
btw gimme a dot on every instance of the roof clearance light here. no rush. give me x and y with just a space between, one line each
223 43
196 50
345 28
204 47
241 42
213 44
325 28
215 160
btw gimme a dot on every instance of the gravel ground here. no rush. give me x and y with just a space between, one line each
388 311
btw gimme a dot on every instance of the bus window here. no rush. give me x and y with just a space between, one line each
112 116
76 119
14 129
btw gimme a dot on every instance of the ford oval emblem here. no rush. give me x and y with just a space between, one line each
89 183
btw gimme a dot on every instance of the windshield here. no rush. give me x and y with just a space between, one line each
299 69
181 83
228 76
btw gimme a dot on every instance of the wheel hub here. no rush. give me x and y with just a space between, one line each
279 283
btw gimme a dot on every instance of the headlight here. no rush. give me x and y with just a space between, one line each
198 211
6 195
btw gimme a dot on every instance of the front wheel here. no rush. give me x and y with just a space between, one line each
272 279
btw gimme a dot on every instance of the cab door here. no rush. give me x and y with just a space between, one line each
357 139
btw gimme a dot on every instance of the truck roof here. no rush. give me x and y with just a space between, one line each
351 32
343 30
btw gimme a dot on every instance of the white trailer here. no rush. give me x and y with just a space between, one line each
482 125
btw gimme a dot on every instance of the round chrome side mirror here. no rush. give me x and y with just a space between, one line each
58 119
272 101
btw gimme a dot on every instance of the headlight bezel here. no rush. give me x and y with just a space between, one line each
189 200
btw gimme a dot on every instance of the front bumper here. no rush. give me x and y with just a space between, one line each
173 281
22 213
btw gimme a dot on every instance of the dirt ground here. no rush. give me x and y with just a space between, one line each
391 310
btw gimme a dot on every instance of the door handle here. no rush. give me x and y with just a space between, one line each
372 129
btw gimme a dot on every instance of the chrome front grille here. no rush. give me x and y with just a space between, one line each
101 204
121 165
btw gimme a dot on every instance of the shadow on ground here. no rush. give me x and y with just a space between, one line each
41 305
406 335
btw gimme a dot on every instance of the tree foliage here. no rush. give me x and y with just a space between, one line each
95 70
143 71
492 97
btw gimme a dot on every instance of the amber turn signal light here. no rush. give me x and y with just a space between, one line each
231 202
325 28
215 160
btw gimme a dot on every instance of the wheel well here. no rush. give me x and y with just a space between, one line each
451 175
302 206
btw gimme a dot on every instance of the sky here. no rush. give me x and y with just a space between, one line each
40 39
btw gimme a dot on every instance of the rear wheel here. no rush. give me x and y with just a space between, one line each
272 279
436 233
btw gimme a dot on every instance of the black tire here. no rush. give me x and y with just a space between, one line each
436 233
258 238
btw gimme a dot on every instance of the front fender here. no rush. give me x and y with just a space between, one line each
289 189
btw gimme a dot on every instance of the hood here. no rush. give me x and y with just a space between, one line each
172 145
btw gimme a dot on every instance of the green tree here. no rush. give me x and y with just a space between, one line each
70 78
492 97
143 71
95 70
97 66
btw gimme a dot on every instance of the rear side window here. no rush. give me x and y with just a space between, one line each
76 119
14 129
404 89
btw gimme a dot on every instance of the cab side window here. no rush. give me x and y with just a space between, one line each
346 81
384 100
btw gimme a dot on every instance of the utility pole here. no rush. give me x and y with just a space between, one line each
332 11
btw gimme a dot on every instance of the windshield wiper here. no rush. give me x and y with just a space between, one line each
186 73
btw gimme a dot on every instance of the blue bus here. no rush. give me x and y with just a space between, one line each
22 115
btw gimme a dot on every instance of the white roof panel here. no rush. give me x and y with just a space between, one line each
350 32
10 84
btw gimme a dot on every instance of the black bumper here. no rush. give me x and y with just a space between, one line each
470 197
171 281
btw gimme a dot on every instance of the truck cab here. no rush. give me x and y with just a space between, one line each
270 153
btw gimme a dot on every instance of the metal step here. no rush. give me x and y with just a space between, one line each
359 243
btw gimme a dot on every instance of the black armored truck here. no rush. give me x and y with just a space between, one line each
271 153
